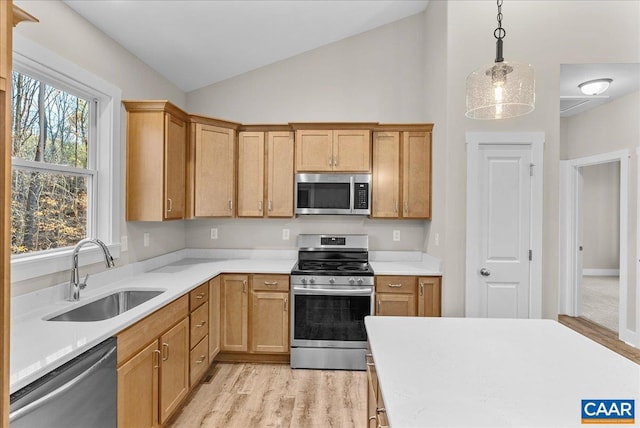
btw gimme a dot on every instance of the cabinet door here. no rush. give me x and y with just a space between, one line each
235 315
280 174
429 296
250 174
214 152
385 192
175 164
174 368
270 322
214 318
352 150
416 174
138 389
372 393
314 151
401 305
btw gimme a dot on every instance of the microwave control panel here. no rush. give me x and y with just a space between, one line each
361 199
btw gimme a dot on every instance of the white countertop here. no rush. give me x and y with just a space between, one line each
39 346
494 373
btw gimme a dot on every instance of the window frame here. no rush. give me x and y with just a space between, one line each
103 216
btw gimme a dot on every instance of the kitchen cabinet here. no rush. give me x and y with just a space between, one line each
408 296
153 366
271 151
234 296
401 178
214 318
270 313
156 161
199 333
396 295
211 172
347 150
376 415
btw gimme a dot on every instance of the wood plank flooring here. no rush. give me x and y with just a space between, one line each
602 335
247 395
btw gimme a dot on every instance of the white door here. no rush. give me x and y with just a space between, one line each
499 241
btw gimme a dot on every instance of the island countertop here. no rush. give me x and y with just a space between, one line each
492 372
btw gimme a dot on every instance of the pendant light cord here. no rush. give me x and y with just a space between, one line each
499 33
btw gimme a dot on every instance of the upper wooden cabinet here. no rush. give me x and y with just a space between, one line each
346 150
156 161
271 151
401 182
211 171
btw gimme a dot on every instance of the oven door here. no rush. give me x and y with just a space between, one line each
331 317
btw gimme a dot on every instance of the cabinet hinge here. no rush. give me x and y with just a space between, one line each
530 255
531 165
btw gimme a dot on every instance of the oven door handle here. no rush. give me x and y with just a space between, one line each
333 291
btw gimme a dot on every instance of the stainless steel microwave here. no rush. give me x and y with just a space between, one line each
333 194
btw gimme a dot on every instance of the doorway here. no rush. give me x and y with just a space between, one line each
504 224
577 268
600 244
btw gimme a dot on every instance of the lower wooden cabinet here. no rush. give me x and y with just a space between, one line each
408 296
234 311
270 313
376 415
153 366
214 318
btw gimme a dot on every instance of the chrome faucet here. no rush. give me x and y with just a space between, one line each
74 284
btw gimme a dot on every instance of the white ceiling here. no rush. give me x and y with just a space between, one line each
626 79
197 43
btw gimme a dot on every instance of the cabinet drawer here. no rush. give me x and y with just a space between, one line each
198 296
198 360
396 284
270 283
199 324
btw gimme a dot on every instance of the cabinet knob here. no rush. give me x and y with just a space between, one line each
201 324
259 205
269 205
421 289
169 204
165 351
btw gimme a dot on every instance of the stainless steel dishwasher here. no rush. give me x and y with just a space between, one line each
82 393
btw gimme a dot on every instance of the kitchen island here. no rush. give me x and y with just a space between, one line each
491 372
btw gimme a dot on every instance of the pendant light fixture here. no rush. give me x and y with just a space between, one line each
502 89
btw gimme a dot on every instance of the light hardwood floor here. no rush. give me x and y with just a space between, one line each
248 395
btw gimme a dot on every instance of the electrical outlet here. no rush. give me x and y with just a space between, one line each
396 235
145 239
214 233
124 243
436 239
285 234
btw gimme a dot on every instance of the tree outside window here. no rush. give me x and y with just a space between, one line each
52 177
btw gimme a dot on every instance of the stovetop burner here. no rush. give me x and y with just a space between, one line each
331 255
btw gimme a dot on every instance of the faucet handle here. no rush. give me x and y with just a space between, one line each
83 284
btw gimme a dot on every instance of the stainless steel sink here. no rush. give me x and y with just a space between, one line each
108 306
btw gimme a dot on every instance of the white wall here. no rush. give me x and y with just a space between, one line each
545 34
70 36
601 216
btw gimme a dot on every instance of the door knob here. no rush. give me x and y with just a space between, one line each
485 272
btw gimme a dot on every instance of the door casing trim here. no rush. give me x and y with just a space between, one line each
536 141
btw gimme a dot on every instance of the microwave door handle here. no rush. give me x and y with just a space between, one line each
352 191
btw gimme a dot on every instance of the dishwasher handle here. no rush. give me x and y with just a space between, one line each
55 393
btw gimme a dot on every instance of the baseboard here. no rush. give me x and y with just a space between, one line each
601 272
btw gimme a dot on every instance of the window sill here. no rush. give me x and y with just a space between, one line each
32 266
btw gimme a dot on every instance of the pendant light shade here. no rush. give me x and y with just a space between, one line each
500 90
503 89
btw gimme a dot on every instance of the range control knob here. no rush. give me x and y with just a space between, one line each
352 280
303 280
332 280
312 280
360 281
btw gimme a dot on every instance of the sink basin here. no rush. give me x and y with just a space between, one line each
108 306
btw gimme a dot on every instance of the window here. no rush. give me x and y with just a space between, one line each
65 158
53 173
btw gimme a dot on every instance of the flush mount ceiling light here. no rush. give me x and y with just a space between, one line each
595 87
502 89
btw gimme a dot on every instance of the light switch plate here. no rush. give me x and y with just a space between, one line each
124 243
285 234
145 239
214 233
396 235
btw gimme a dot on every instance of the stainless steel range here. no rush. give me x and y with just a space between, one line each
331 293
